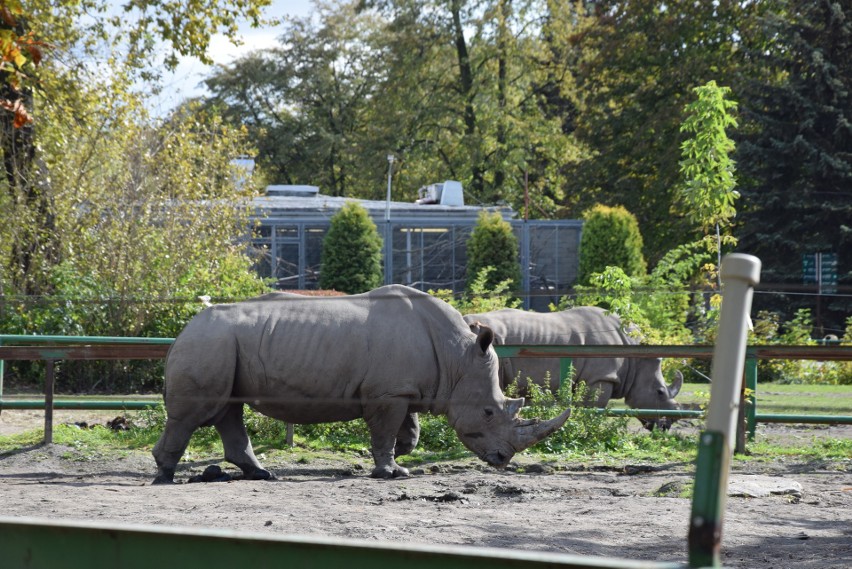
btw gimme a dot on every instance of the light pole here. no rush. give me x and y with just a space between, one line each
388 235
387 203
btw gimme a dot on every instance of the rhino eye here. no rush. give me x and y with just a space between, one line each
489 412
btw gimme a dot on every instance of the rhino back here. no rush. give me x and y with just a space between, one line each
587 325
317 359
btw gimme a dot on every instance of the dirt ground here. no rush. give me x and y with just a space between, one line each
627 510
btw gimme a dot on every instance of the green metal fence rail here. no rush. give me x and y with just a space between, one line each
753 354
55 348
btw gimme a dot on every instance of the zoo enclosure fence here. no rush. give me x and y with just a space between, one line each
51 349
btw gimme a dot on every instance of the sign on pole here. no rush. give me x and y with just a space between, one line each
820 269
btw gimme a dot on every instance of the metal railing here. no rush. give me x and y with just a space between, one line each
55 348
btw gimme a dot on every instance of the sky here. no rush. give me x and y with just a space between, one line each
186 80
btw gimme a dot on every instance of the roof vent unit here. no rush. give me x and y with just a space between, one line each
292 191
448 193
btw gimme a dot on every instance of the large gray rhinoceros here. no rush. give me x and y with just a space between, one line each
385 355
638 380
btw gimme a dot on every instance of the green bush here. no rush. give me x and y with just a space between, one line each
587 431
352 252
493 244
610 237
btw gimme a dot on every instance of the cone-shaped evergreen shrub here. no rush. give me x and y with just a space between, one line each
493 244
610 237
351 252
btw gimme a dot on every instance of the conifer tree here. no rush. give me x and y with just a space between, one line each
351 259
493 244
610 237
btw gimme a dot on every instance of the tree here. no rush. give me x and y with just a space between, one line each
610 237
707 171
78 34
639 61
351 260
795 153
492 244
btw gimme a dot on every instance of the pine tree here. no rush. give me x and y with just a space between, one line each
797 166
351 259
493 244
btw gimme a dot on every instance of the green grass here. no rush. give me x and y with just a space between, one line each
586 437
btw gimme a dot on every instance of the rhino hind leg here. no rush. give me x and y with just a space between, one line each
170 448
408 435
235 441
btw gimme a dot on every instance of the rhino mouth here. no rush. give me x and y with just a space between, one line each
498 459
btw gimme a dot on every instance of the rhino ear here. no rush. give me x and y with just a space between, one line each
474 326
484 337
513 406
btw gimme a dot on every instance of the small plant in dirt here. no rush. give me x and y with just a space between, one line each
481 297
587 431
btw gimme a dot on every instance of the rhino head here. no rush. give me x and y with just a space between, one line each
484 419
650 391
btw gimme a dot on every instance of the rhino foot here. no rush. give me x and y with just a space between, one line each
165 476
259 474
387 472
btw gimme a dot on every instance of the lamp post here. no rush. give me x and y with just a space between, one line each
387 203
388 235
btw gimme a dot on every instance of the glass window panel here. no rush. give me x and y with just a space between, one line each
287 266
314 236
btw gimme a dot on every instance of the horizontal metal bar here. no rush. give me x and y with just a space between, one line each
670 413
81 404
97 352
47 544
33 339
821 353
822 419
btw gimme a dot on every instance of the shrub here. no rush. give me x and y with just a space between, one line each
352 252
493 244
610 237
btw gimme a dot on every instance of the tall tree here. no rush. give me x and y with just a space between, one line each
796 158
706 191
640 61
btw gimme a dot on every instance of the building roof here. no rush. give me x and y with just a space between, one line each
321 207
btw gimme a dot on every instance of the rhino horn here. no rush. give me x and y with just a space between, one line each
674 388
526 433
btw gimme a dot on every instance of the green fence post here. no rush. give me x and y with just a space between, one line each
565 370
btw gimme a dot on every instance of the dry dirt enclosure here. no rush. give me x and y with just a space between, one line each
625 510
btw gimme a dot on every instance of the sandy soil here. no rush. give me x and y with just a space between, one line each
627 510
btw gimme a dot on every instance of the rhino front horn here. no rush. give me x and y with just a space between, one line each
528 433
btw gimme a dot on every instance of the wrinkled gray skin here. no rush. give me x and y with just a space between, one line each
385 356
639 381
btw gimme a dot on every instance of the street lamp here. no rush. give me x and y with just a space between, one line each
387 203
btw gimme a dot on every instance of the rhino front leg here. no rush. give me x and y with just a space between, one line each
237 445
598 394
408 435
385 418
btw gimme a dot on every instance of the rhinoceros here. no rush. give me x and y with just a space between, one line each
639 381
385 355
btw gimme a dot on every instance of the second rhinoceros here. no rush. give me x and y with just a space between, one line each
639 381
385 356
